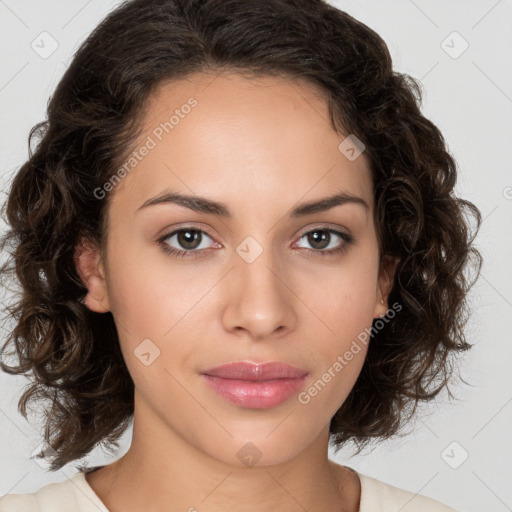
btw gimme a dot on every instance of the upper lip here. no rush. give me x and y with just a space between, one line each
247 370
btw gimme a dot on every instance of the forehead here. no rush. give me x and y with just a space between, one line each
264 139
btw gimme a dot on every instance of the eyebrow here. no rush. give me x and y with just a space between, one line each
204 205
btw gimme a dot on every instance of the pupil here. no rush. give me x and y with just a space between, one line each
186 238
321 239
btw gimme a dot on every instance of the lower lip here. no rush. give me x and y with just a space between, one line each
255 394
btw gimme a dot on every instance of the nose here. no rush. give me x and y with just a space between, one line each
260 302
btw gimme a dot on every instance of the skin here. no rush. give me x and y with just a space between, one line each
261 146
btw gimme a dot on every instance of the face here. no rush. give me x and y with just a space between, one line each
257 278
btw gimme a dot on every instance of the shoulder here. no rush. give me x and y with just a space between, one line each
379 496
70 495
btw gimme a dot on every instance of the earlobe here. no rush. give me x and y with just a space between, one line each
91 270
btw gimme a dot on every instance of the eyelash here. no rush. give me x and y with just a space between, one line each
195 253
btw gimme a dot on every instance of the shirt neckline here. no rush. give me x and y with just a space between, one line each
80 478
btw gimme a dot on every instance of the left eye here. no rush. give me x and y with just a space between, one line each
320 239
190 240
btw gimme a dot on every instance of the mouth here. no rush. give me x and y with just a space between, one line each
255 386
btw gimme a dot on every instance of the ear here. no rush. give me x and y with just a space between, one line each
91 270
385 284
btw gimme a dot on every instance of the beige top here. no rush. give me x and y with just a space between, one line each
76 495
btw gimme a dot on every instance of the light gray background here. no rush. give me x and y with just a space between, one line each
470 98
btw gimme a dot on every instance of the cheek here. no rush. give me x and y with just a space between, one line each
344 304
340 360
156 306
148 294
343 297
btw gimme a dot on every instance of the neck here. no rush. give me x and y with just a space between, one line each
162 471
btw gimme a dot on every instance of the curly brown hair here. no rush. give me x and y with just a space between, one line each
93 117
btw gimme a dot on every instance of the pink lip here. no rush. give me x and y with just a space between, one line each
256 386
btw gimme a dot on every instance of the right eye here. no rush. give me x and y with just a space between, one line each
189 238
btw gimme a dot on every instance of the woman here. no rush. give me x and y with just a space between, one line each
239 231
